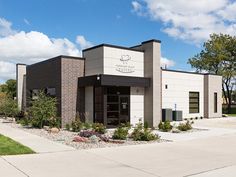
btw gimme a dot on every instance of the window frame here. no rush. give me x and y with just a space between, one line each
191 108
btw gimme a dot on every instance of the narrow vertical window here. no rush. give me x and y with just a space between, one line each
193 102
215 103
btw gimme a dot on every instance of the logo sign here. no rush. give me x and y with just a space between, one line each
125 66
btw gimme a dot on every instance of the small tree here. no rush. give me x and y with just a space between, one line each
8 107
42 110
219 57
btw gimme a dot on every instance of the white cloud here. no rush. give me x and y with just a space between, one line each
5 28
31 47
167 63
7 70
83 42
192 21
136 6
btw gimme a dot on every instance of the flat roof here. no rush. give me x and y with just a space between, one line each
113 46
58 57
188 72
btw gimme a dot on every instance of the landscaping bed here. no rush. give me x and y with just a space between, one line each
67 138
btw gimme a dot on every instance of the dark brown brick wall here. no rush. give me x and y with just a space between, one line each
71 70
62 73
43 75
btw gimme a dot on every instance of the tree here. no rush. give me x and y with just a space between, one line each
219 57
9 88
43 109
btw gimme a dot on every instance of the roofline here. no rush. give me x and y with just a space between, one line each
20 64
152 40
58 57
188 72
113 46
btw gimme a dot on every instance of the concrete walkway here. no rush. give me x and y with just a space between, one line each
210 156
36 143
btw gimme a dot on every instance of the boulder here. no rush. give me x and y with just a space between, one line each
94 139
175 130
80 139
54 130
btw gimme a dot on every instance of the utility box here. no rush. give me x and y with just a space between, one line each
177 115
167 115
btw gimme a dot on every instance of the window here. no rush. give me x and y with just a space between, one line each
215 102
193 102
166 86
51 91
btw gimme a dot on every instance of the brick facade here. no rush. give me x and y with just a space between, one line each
61 73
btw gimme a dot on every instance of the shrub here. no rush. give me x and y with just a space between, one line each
54 122
87 126
121 132
68 127
185 126
99 127
8 107
24 121
76 125
146 125
89 133
143 134
165 126
43 108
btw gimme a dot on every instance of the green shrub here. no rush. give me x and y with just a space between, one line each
143 134
24 121
146 125
54 122
43 108
185 126
8 107
68 127
76 125
165 126
121 132
99 127
87 126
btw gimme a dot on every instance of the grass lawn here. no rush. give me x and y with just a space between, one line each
11 147
231 115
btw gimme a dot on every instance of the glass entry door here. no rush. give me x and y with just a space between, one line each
124 109
117 106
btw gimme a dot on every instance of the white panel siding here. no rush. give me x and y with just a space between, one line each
20 72
112 61
179 85
136 105
89 103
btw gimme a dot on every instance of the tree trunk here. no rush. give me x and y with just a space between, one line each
229 99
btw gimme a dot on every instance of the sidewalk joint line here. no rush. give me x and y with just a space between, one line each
15 166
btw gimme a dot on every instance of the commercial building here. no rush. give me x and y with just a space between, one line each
113 84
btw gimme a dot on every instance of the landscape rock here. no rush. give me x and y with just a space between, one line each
94 139
175 130
54 130
80 139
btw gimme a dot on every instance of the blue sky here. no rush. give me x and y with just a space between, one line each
123 22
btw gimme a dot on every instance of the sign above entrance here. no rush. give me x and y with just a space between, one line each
125 66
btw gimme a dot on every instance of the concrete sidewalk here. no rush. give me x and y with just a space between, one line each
36 143
209 157
207 128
